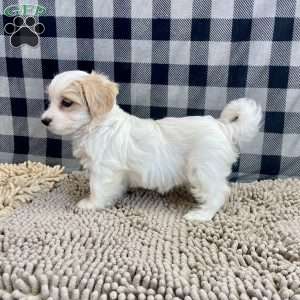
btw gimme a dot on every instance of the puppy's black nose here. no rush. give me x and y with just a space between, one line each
46 121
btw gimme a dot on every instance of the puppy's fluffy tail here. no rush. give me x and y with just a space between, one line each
242 118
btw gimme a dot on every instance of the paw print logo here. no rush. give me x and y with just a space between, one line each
24 31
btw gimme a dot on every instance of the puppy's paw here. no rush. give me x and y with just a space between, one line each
86 203
200 215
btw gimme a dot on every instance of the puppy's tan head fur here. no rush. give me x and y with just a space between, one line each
95 91
76 98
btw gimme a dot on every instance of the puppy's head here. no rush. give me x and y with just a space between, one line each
76 98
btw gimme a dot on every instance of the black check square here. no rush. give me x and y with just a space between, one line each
283 29
159 73
278 77
274 122
158 112
49 68
86 65
84 27
122 28
200 29
126 107
18 107
195 112
54 147
14 67
198 75
270 165
21 144
237 76
241 30
49 23
161 29
122 72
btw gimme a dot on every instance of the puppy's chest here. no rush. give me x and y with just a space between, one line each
87 152
95 151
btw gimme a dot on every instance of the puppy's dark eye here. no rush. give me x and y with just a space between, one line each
66 103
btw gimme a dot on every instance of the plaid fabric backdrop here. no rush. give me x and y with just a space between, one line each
171 57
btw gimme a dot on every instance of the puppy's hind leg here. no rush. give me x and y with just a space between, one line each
208 169
209 200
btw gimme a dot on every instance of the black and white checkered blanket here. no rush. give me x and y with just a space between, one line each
170 57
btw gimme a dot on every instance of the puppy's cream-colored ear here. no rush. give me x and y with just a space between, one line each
99 93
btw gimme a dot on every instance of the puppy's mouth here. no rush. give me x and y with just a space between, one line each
64 131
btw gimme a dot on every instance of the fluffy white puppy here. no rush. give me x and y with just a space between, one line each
121 151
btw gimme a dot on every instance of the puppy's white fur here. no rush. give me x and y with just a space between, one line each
121 150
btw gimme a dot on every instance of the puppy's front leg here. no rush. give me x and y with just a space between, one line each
106 187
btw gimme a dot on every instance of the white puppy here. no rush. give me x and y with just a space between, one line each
122 151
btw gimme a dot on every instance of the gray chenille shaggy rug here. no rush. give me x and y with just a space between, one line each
143 248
